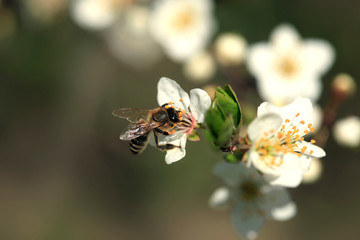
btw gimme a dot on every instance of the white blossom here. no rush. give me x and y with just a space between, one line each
130 42
288 67
192 112
230 49
97 14
182 27
200 67
253 199
278 148
347 131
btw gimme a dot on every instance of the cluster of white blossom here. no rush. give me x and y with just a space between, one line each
277 157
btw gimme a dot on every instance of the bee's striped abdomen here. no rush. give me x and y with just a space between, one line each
137 145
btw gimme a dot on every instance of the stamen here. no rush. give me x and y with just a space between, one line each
303 149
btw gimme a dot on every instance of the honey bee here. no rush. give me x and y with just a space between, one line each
161 120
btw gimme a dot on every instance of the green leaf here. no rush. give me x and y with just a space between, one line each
194 136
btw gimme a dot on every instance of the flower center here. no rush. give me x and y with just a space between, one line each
183 19
249 191
288 66
273 145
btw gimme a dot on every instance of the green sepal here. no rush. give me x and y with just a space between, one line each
224 137
194 136
214 119
231 158
229 104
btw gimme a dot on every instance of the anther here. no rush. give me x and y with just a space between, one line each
309 125
298 114
287 120
311 152
181 99
302 122
171 103
166 106
312 141
312 129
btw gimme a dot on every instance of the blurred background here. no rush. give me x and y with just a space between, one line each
64 173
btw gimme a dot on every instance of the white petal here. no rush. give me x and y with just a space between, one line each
278 204
289 174
220 198
259 60
305 163
199 103
231 173
285 37
299 105
178 153
247 219
262 124
319 55
170 91
318 152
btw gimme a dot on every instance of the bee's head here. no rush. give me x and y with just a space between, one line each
173 115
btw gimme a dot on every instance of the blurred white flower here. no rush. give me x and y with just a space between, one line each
347 131
288 67
200 67
182 27
130 42
255 200
278 147
192 111
46 11
230 49
344 85
314 172
97 14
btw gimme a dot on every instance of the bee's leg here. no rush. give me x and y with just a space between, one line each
162 132
164 147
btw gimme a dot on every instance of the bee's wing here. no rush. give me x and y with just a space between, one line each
133 115
137 130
